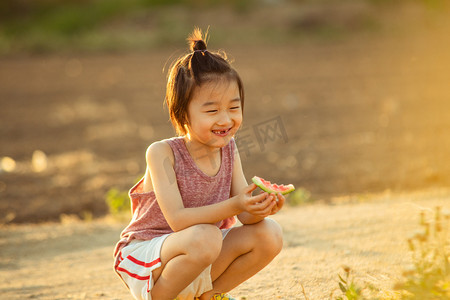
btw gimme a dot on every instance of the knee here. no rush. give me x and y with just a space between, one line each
205 243
269 235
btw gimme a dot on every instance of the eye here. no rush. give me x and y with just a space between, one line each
212 111
235 107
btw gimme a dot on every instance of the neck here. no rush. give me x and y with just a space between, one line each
200 150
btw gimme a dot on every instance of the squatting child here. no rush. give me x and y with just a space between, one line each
181 242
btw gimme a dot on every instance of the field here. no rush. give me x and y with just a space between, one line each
359 121
362 115
73 259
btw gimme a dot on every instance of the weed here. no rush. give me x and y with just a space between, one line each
429 276
118 201
350 290
299 196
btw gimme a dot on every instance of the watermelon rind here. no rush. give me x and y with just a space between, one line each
257 180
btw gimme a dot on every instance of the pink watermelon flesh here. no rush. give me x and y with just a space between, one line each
269 187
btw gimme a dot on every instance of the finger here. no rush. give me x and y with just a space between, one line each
250 188
265 202
258 198
261 213
269 209
281 200
265 205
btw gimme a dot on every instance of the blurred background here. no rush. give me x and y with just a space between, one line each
343 97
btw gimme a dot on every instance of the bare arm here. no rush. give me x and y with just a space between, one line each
238 183
160 162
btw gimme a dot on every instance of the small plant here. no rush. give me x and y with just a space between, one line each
117 201
350 290
429 276
299 196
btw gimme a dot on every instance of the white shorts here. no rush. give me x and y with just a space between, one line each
137 260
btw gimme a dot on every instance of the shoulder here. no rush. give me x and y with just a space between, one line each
159 151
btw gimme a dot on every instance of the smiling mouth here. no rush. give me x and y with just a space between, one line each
221 132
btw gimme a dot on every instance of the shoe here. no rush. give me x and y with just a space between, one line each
222 297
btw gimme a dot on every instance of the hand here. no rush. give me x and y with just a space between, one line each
279 203
261 205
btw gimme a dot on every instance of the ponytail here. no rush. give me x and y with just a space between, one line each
196 41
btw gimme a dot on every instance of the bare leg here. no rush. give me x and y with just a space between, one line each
184 255
245 251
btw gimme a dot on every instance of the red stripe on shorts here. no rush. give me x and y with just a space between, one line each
132 274
142 263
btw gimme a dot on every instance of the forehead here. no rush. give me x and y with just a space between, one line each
216 90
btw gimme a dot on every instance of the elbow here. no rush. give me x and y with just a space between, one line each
176 227
177 223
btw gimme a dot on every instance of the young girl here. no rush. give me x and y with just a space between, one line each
181 242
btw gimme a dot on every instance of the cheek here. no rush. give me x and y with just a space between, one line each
202 124
238 119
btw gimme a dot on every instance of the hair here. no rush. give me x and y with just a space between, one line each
192 70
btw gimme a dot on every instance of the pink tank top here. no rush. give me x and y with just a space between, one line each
196 189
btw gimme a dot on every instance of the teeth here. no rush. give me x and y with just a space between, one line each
220 131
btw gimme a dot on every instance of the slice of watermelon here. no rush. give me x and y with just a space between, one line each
269 187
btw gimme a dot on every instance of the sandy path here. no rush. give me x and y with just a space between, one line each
73 260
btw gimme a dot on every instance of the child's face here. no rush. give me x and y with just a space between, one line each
215 112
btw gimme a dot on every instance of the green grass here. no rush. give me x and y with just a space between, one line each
429 274
298 197
93 25
118 202
130 25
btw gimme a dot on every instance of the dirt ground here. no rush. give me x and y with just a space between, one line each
362 115
368 114
73 259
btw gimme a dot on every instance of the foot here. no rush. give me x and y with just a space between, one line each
222 297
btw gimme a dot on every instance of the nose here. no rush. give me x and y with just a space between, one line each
224 118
